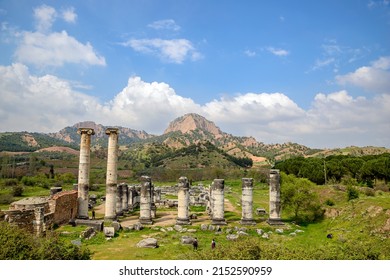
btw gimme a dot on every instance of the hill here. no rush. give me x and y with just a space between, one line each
185 131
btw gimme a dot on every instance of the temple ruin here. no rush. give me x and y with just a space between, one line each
39 214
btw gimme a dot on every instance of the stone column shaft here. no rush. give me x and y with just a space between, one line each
112 174
247 202
183 202
84 168
274 198
218 198
145 201
119 198
125 198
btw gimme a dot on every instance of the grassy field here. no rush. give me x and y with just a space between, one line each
360 230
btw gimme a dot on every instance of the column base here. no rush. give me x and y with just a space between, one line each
183 221
220 222
247 222
275 222
145 221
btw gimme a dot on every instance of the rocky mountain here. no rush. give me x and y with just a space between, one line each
126 135
186 131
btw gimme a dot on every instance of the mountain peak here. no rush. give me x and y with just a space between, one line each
191 122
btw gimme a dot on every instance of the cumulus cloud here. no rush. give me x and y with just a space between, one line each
278 52
44 47
69 15
44 17
374 78
168 24
48 103
55 49
148 106
174 51
43 104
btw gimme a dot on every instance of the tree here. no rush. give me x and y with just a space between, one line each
297 195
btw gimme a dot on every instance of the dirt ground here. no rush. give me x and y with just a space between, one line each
164 218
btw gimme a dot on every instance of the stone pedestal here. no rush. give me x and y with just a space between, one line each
274 198
84 168
183 202
112 175
145 201
218 197
247 202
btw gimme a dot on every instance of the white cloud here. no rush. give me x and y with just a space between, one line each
174 51
148 106
55 49
44 47
374 78
69 15
44 17
48 103
250 53
278 52
43 104
168 24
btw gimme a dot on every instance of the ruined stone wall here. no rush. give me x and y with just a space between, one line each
64 206
22 218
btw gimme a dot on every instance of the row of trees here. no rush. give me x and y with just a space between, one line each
364 170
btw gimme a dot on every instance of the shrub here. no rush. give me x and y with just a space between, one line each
28 181
6 198
329 202
17 190
352 193
17 244
10 182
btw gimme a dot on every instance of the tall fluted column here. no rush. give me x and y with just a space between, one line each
125 198
84 168
112 174
145 201
218 198
274 198
247 202
183 196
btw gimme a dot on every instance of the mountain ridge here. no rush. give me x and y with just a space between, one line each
182 132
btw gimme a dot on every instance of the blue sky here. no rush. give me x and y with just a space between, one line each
312 72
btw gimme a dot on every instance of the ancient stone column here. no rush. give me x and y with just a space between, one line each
218 197
247 202
131 197
112 174
119 198
125 198
145 201
153 207
84 168
274 198
183 196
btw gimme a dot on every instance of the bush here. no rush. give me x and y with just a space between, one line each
17 190
329 202
352 193
10 182
6 198
17 244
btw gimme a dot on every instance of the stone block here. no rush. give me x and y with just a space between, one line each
109 231
148 243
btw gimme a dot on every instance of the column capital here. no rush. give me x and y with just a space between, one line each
111 130
85 130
